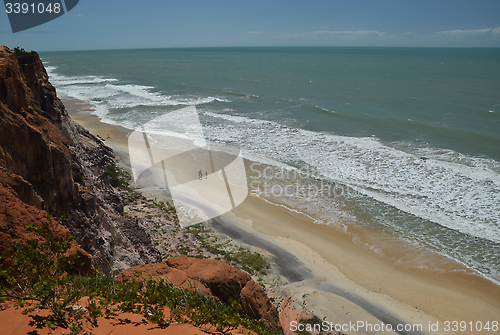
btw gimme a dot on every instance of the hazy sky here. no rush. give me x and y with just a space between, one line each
117 24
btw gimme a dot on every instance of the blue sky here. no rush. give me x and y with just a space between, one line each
122 24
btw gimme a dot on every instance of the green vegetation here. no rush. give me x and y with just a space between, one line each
118 176
21 52
161 205
249 261
240 257
196 240
41 275
113 174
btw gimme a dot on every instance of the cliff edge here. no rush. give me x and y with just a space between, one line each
50 164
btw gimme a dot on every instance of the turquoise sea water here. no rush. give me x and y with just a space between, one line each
409 138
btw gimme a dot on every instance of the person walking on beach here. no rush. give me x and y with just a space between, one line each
200 175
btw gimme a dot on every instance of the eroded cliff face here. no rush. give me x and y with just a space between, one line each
50 163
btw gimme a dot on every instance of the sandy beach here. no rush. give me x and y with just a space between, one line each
338 279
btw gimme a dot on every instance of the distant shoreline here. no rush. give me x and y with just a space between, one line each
339 280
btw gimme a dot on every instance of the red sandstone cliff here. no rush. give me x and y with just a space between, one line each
49 163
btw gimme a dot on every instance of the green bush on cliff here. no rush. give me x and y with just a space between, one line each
38 274
118 177
243 258
249 261
112 174
21 52
38 277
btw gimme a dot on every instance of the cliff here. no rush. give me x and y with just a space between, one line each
51 166
48 163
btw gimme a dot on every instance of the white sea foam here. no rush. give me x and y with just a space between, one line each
58 80
108 93
459 192
453 190
416 185
455 195
81 80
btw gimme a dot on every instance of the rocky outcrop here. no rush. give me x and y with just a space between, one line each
50 163
210 277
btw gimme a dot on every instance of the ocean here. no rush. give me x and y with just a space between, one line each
401 141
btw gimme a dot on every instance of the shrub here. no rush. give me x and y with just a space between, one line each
118 177
21 52
243 258
38 276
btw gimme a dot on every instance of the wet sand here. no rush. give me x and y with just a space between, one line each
338 279
341 269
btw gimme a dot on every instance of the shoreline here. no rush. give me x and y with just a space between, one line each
339 280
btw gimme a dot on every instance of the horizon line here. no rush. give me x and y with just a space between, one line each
277 46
